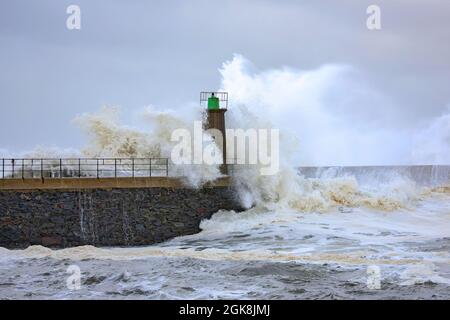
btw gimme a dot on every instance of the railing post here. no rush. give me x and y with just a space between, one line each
97 168
79 168
167 167
12 168
42 169
115 167
132 167
23 168
3 169
60 168
150 168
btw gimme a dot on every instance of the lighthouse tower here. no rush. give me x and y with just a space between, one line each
217 104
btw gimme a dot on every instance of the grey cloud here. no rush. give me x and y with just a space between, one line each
134 53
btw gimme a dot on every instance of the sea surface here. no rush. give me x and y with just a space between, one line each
384 233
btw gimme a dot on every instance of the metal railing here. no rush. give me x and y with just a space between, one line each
222 96
83 168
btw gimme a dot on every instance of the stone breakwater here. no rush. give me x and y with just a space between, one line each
102 217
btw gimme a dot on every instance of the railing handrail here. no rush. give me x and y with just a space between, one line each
88 167
84 158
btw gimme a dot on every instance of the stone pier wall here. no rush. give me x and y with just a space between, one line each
102 217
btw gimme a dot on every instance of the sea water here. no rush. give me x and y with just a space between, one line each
324 242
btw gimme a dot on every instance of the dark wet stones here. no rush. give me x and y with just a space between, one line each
53 241
118 217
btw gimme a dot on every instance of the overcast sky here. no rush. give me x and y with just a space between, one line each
136 53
